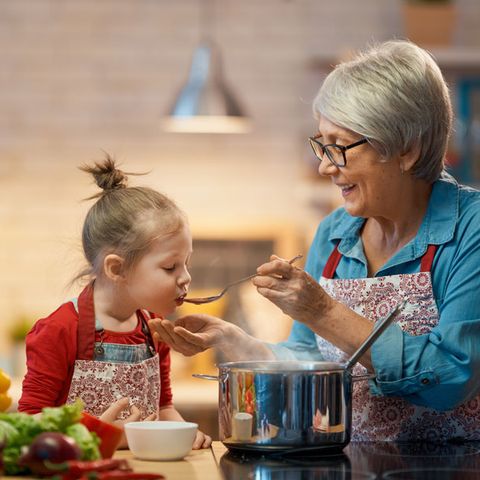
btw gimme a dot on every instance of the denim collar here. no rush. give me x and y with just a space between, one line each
437 228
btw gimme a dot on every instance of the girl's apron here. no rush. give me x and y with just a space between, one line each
100 382
393 418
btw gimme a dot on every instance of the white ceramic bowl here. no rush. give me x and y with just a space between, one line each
160 440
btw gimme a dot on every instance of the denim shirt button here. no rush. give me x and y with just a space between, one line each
425 381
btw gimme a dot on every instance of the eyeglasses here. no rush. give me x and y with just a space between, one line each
335 153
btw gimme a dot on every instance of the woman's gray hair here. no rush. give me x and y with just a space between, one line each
395 95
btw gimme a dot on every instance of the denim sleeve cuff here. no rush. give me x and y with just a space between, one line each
387 361
405 386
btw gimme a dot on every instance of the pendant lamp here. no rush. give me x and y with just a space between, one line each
206 103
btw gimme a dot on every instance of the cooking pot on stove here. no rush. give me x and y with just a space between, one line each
274 406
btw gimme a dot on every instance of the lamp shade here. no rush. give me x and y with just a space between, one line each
206 104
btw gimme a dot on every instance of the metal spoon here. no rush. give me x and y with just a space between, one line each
201 300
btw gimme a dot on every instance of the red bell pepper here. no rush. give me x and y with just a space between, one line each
109 434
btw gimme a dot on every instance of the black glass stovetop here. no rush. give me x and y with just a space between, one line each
361 461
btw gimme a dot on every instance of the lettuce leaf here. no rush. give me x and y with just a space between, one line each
87 441
58 419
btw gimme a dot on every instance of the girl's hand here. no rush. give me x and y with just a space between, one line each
292 290
111 414
201 441
192 334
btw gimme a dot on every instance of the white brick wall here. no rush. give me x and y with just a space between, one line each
80 76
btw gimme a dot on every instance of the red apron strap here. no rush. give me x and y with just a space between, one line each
427 259
332 263
145 317
86 324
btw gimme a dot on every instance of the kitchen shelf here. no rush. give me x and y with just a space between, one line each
463 60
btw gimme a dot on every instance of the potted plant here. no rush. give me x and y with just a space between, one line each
430 23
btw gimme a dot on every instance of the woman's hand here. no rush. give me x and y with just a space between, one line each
201 441
191 334
111 414
292 290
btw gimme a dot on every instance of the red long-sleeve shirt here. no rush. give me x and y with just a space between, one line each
51 354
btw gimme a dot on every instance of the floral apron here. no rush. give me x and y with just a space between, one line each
100 383
381 418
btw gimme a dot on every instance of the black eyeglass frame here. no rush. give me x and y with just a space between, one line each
342 148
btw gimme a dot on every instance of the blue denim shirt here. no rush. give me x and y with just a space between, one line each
448 356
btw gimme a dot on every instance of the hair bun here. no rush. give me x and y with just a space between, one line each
107 176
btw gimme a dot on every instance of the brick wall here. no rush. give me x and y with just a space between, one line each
79 77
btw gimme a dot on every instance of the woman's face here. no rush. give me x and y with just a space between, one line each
369 186
160 279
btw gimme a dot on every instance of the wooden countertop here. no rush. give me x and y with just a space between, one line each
197 465
218 449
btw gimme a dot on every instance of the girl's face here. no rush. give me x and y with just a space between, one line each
160 279
370 187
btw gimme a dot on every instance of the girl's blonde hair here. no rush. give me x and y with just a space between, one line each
124 220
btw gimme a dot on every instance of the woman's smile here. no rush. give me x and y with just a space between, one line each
346 189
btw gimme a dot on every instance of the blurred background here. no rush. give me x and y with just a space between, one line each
80 78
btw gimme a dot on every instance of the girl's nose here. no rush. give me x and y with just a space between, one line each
326 167
185 277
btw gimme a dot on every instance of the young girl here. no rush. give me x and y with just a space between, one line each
98 347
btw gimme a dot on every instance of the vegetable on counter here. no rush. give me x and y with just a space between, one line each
19 431
49 448
109 434
104 469
5 399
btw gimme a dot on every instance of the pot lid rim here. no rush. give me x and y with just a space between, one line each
282 366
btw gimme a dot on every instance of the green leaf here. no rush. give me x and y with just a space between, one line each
86 440
57 419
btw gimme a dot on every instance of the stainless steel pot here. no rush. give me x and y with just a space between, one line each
273 406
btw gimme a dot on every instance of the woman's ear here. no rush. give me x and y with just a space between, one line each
113 267
409 159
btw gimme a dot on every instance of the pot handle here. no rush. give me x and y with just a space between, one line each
206 377
376 332
361 378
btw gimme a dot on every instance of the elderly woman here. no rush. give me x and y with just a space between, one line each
407 232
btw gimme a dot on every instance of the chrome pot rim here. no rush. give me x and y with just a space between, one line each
282 367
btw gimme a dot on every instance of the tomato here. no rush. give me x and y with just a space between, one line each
109 434
5 381
5 402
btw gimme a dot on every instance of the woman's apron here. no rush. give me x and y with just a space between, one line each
99 381
384 418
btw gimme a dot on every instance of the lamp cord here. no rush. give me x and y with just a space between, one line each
207 20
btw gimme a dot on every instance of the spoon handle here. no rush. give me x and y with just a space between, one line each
244 279
199 301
